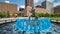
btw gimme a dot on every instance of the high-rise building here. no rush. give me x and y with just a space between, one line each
29 3
48 5
57 9
28 6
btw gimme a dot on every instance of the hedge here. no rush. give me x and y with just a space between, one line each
47 15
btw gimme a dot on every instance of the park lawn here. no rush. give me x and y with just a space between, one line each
55 18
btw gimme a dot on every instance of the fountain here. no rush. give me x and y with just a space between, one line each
29 24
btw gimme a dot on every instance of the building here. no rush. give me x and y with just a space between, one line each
57 9
38 6
28 6
7 7
40 9
48 5
21 9
29 3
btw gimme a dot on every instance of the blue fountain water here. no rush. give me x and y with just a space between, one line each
10 28
43 24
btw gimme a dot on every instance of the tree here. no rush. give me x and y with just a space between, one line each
1 14
8 14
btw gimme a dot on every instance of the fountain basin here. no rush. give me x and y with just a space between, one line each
24 24
10 28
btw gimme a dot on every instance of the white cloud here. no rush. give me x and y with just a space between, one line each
56 4
50 0
7 1
35 1
22 6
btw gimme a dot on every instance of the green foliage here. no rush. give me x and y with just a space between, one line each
1 15
8 14
47 15
19 14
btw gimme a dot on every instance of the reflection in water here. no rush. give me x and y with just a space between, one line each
9 28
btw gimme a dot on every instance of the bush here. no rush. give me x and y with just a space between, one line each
1 15
47 15
8 14
43 15
19 14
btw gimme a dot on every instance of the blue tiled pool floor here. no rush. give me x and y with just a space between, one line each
42 24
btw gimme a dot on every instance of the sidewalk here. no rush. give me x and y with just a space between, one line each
5 20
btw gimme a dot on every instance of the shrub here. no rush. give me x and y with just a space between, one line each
19 14
47 15
8 14
1 15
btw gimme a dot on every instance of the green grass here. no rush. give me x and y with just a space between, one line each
55 18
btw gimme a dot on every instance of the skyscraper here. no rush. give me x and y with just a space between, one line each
48 5
29 3
28 6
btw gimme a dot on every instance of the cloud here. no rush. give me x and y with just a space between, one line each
35 1
22 6
56 4
7 1
50 0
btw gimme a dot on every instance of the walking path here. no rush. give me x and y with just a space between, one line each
7 20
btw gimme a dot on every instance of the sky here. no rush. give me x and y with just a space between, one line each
21 3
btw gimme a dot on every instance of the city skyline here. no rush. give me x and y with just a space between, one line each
21 3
